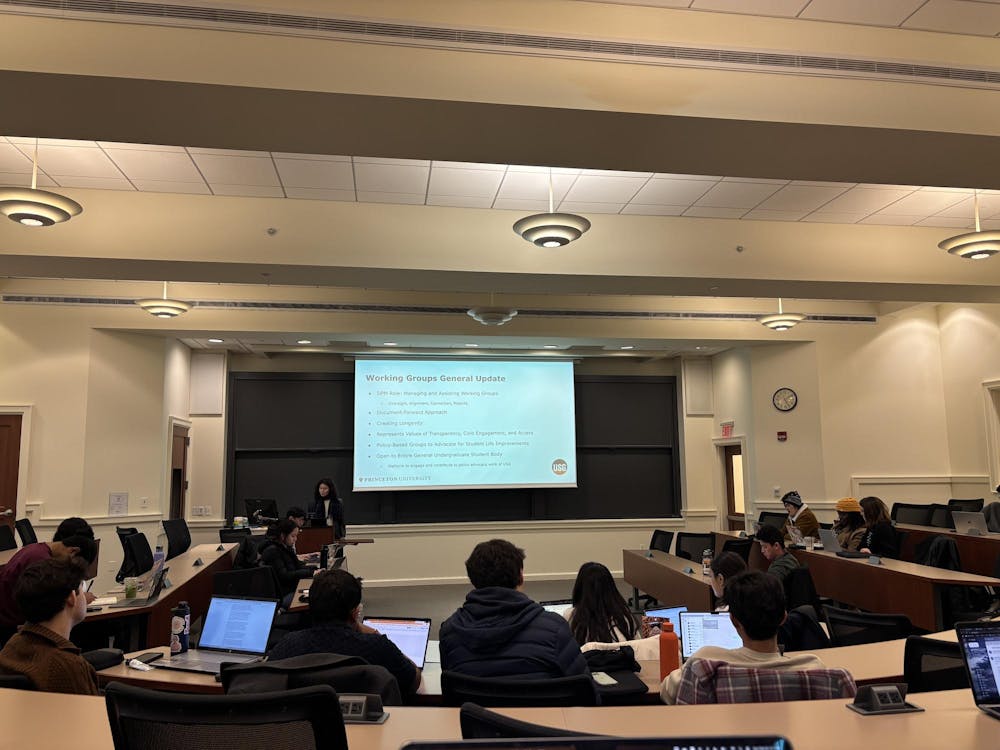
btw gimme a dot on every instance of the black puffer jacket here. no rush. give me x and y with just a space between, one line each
289 569
500 632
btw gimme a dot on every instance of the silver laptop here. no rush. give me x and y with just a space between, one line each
154 585
973 524
980 642
236 631
704 629
409 634
558 606
830 544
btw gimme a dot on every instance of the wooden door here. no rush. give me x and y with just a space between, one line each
178 471
10 459
736 515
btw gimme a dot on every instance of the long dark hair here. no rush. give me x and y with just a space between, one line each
874 510
598 607
333 491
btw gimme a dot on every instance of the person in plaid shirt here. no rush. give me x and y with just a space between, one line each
757 607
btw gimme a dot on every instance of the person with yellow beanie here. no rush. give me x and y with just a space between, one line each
850 524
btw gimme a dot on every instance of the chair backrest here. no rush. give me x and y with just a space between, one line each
930 664
916 514
16 682
849 628
228 536
711 681
801 630
7 540
345 674
825 525
690 545
480 723
578 690
992 513
971 505
941 516
741 547
304 718
257 583
26 531
800 589
771 518
247 554
123 533
178 536
661 540
138 555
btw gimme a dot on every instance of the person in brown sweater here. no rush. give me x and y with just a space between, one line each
51 596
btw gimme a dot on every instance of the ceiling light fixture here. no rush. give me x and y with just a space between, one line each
472 346
31 207
628 347
389 343
303 341
977 245
490 315
551 229
781 321
550 346
217 341
164 308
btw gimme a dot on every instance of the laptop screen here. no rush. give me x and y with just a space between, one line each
702 629
668 613
238 624
981 649
559 606
410 634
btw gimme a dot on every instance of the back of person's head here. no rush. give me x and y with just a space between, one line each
495 563
598 606
85 544
43 586
73 526
874 510
333 595
295 512
770 535
728 565
757 601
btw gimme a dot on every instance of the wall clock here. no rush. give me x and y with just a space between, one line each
784 399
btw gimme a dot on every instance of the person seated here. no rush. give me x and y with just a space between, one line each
335 609
599 612
50 594
757 609
850 525
725 565
278 551
296 515
500 632
73 538
880 537
772 547
801 520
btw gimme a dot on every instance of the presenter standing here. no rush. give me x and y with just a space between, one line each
328 506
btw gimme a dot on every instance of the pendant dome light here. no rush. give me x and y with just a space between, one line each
978 245
551 229
490 315
164 308
781 321
31 207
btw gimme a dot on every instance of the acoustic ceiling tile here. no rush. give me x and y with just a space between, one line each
320 194
801 198
591 188
391 178
587 207
237 170
864 12
865 199
783 8
248 191
672 192
369 196
925 202
714 212
642 209
534 186
460 201
317 174
167 186
168 166
957 17
97 183
735 195
472 183
75 161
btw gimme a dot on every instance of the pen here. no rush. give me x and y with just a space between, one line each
89 584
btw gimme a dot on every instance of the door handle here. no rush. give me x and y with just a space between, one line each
8 513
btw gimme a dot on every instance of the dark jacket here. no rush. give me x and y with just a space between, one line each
500 632
335 514
881 539
287 566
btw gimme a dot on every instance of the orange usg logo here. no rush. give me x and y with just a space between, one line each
559 467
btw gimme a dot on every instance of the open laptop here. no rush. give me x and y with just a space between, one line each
704 629
559 606
410 634
830 544
236 631
153 585
973 524
667 613
980 642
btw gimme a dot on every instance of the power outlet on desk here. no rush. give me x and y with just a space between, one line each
362 709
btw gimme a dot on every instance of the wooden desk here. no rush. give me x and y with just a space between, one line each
979 554
951 719
7 554
662 575
892 586
150 625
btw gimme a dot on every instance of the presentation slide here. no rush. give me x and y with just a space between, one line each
450 425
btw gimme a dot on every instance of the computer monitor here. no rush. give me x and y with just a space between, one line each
261 511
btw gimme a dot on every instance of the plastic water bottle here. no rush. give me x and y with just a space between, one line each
159 556
180 628
670 652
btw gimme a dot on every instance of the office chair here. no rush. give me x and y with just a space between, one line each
7 540
178 536
16 682
306 717
229 536
915 514
138 559
967 506
825 525
123 532
479 723
661 540
578 690
941 516
741 547
26 531
850 628
930 664
800 589
770 518
690 545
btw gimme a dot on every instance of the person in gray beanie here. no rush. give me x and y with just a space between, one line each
801 521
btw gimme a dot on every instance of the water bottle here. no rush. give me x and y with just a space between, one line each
180 628
706 562
670 652
159 556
